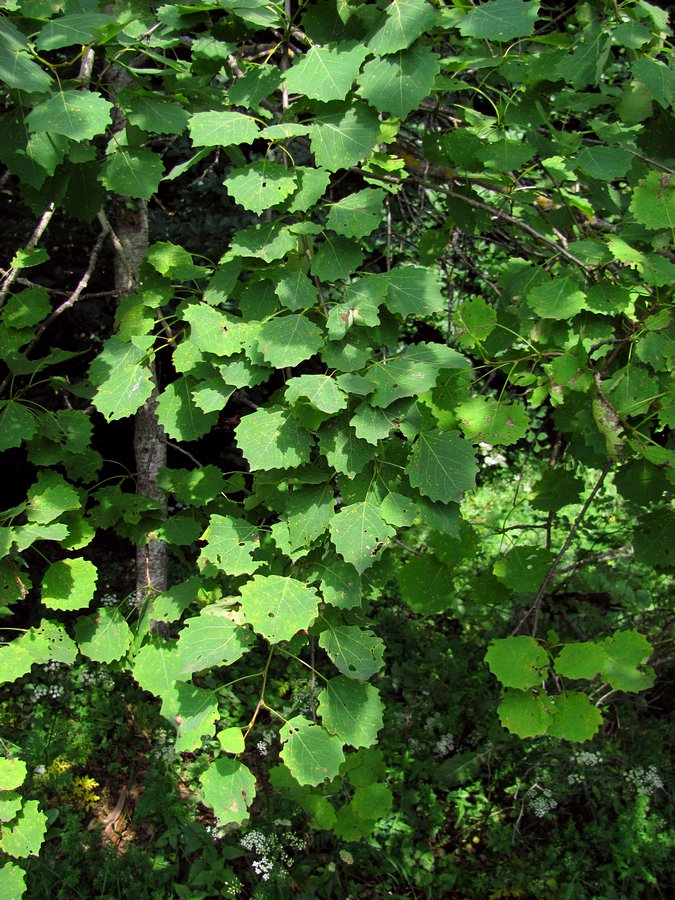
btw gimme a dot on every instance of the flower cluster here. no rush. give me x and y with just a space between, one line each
645 781
444 745
265 743
588 758
52 691
541 801
164 746
489 458
270 852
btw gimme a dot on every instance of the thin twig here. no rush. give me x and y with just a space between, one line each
626 550
536 606
117 244
32 243
405 547
75 296
183 451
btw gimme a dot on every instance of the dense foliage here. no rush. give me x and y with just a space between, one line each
363 312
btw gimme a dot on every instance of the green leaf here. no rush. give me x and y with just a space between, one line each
133 172
175 262
658 77
15 662
518 662
230 544
398 84
414 291
195 712
489 420
523 568
12 878
336 258
351 710
17 69
311 753
49 497
309 509
404 22
270 439
12 773
212 395
442 465
157 668
560 298
296 292
122 377
412 372
555 489
221 129
372 802
345 136
170 605
50 641
10 804
604 163
525 714
653 203
398 510
155 115
360 307
356 652
104 636
27 308
500 20
358 532
212 331
574 717
179 415
321 391
69 584
277 606
25 835
358 214
211 639
17 424
344 451
229 788
195 487
505 155
78 28
79 115
312 183
625 651
260 185
341 585
426 585
289 340
326 73
231 740
370 424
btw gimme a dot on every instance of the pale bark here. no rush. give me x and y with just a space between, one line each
131 245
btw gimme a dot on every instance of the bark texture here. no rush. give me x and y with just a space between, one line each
131 227
131 230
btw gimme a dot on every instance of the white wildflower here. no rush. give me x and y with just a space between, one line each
444 745
542 802
645 781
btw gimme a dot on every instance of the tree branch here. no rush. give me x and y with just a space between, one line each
40 228
536 606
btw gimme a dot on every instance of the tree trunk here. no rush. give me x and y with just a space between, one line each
131 226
